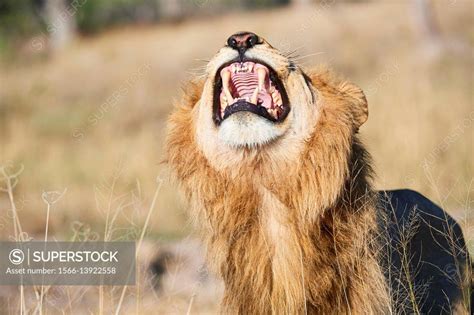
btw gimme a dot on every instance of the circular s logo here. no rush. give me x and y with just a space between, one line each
16 256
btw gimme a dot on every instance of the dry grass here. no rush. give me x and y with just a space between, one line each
92 118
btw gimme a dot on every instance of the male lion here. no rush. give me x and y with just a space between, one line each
278 181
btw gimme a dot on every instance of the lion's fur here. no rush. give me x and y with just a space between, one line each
288 236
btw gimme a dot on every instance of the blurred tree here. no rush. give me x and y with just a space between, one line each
54 23
171 9
427 26
97 15
301 2
61 23
17 18
432 42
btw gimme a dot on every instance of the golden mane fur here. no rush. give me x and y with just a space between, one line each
288 236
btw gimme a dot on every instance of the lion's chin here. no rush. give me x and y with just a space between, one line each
245 129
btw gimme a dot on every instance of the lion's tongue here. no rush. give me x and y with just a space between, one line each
249 81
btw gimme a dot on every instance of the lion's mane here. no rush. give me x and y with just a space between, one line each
288 236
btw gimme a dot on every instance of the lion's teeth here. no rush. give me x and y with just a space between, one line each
275 112
224 102
276 97
225 75
279 101
240 68
254 97
228 96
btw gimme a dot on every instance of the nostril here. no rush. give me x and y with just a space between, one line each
242 41
232 42
252 40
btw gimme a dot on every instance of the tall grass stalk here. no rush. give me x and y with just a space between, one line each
142 235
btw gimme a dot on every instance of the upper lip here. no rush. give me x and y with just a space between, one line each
273 76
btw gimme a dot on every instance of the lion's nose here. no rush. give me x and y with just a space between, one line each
242 41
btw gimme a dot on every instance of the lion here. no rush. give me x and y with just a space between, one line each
279 184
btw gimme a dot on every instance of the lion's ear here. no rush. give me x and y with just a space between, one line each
358 103
346 95
192 91
361 109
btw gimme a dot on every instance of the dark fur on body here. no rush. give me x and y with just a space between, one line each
426 261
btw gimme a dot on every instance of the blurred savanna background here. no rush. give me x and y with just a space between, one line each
86 87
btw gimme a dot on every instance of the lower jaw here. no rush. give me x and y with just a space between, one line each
241 106
245 129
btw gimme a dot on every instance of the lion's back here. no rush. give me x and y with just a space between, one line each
426 258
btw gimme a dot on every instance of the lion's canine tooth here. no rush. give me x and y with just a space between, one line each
254 97
225 75
230 99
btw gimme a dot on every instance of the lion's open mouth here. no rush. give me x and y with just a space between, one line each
249 86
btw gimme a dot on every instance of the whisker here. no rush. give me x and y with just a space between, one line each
293 51
198 69
308 55
195 72
197 75
202 60
290 52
